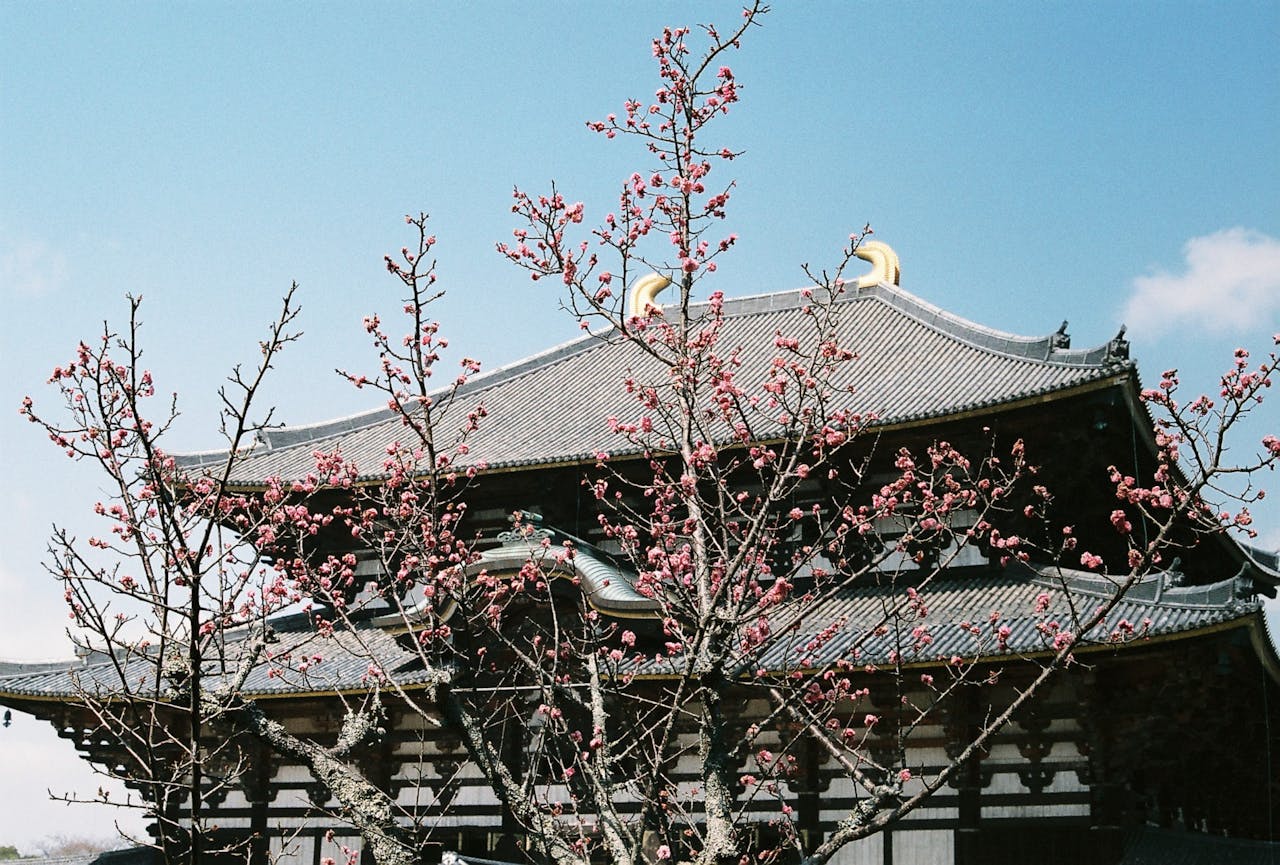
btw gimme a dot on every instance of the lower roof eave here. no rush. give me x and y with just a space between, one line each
1253 621
14 698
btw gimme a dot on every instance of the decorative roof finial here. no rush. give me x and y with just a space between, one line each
884 264
1118 348
1061 339
643 292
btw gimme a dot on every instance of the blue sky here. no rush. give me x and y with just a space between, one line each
1099 162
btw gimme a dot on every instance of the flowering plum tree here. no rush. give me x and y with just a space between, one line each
740 500
156 596
171 609
756 497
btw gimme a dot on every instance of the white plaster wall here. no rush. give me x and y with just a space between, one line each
291 822
841 788
475 794
1064 780
292 774
933 756
293 798
932 814
235 799
333 849
298 850
923 847
868 851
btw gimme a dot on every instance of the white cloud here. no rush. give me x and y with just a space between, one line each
31 267
1230 282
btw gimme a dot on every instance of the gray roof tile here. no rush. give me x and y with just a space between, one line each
915 362
953 603
344 666
1153 608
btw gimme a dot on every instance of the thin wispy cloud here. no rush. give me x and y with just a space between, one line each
1229 282
31 267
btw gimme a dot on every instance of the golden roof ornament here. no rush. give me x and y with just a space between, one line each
644 291
884 264
885 268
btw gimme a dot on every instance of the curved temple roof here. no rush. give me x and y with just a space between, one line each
915 362
1156 607
607 587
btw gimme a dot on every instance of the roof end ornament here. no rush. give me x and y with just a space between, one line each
885 266
1118 348
1060 338
644 292
526 527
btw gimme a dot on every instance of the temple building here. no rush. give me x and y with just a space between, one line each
1165 730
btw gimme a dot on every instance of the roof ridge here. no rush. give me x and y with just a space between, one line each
316 431
20 669
1161 588
1050 350
293 434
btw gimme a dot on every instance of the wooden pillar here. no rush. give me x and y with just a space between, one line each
960 721
809 799
258 787
513 757
1095 706
377 763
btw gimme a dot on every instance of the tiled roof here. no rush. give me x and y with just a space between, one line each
129 856
344 666
987 601
1151 845
1154 608
345 656
915 361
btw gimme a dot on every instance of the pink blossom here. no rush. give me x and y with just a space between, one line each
1121 522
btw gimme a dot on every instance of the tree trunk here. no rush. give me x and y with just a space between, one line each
368 808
